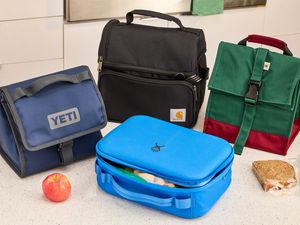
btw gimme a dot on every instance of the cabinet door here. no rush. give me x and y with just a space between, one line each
30 40
12 73
21 9
104 9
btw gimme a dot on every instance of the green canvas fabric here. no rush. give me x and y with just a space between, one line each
250 102
247 121
207 7
232 72
268 118
278 103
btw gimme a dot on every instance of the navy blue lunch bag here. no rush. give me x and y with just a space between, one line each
50 121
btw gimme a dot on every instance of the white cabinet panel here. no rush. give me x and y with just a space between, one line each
19 9
12 73
81 41
104 9
282 17
29 40
231 26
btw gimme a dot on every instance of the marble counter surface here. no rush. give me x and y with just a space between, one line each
22 201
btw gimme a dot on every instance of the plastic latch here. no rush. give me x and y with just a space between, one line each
252 94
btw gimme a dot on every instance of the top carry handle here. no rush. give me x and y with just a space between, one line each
44 82
267 41
130 17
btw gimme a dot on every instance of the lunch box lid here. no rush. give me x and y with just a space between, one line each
180 155
55 108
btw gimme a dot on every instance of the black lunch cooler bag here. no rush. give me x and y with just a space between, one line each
50 121
155 71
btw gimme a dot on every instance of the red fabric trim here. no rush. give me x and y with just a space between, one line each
259 140
297 121
267 41
295 131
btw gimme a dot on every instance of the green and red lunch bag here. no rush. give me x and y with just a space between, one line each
255 96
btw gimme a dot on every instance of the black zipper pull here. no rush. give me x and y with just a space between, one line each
196 92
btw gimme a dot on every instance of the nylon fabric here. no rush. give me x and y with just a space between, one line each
160 69
57 125
38 85
66 102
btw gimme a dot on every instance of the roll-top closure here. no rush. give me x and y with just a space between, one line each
280 74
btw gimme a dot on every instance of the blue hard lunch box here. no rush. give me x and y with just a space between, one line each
198 164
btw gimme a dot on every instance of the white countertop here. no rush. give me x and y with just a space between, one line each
22 201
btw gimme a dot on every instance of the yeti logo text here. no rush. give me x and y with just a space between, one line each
63 118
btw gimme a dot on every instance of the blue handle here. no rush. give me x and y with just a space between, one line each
144 198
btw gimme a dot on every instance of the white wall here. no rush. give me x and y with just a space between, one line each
278 19
35 41
31 39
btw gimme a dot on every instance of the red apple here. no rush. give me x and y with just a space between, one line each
56 187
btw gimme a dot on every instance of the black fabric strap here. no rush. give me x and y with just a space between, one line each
65 151
43 82
204 73
130 18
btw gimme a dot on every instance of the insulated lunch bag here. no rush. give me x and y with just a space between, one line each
50 121
196 167
155 71
255 96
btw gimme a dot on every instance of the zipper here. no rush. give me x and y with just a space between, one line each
103 42
189 77
100 63
183 183
150 80
196 92
192 87
106 167
172 74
